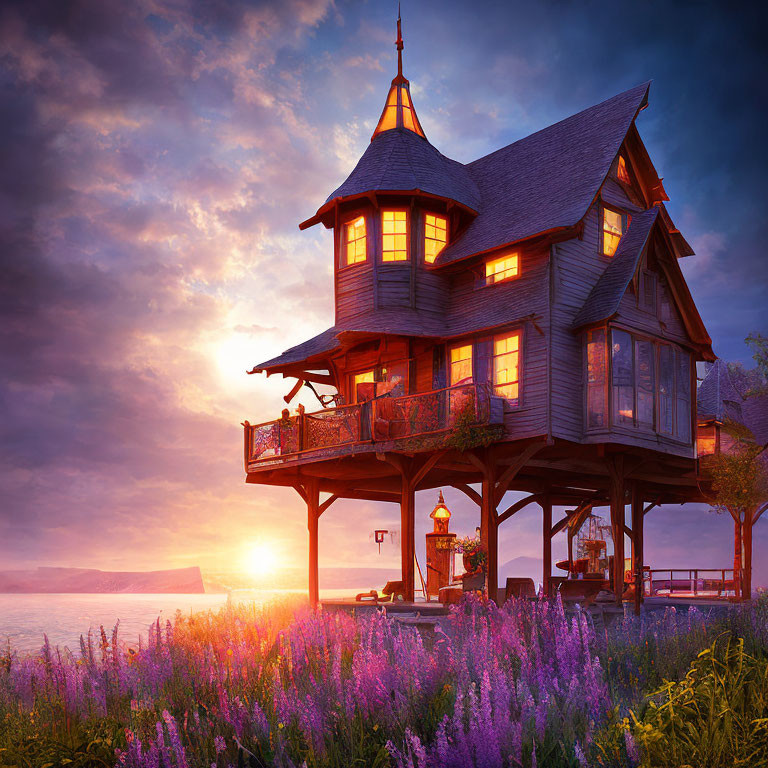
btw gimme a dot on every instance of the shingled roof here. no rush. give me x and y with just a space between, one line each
717 397
548 180
603 301
373 324
398 160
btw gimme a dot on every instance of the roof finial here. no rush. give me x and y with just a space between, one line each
399 43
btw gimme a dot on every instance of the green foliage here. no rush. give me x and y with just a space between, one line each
739 476
715 716
466 434
759 345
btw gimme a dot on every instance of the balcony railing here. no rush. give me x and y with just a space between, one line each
382 419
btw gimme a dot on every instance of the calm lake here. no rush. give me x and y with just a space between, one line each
25 618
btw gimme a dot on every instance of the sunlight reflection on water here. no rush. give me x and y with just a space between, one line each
24 618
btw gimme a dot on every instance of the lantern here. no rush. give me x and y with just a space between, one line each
439 550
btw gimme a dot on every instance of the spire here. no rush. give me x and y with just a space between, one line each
399 111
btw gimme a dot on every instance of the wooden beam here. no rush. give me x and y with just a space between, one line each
423 471
651 506
759 513
471 492
327 503
508 475
407 536
363 495
489 533
615 466
517 506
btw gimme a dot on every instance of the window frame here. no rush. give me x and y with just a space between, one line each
343 240
382 235
644 275
472 359
484 283
625 221
445 218
637 428
510 402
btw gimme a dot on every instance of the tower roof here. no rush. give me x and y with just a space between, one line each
399 111
400 159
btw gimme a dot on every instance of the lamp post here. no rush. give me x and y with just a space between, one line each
439 550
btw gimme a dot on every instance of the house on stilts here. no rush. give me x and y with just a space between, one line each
516 323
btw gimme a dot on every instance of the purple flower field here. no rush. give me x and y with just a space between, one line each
525 685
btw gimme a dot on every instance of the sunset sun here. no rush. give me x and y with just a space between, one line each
260 559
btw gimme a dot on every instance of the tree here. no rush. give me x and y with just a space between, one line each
740 484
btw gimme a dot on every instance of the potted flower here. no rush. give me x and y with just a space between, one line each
473 554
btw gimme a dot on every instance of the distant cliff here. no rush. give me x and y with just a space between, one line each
68 580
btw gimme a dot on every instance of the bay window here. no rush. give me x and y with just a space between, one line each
649 384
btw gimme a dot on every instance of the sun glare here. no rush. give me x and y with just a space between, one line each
261 559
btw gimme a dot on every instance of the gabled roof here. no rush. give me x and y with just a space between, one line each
603 301
717 397
399 160
548 180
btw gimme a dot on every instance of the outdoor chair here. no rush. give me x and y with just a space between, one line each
519 587
392 591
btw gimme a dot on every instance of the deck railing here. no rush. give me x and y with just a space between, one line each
382 419
694 582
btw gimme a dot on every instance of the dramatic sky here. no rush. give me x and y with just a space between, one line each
156 160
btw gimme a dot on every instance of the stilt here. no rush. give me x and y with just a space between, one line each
489 533
736 556
407 535
546 509
618 511
746 538
637 545
313 517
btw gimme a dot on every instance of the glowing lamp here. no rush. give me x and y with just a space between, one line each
441 515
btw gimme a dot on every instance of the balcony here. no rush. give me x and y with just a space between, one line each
417 421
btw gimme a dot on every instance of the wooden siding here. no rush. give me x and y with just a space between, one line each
521 303
577 265
354 291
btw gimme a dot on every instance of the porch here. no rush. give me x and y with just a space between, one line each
413 422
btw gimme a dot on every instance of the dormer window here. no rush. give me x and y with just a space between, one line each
504 268
355 241
622 174
435 236
614 226
394 236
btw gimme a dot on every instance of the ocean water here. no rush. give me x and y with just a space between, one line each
24 619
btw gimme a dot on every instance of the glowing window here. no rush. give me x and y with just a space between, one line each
355 241
503 268
597 368
621 172
435 236
366 377
506 366
613 229
410 121
394 236
389 116
706 440
461 365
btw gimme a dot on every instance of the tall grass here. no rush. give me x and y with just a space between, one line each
281 685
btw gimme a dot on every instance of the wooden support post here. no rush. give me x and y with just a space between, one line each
489 532
546 509
615 469
311 489
736 556
637 545
746 537
407 535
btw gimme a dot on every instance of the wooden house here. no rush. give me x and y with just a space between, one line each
519 322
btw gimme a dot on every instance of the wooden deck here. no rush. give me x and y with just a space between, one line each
399 609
